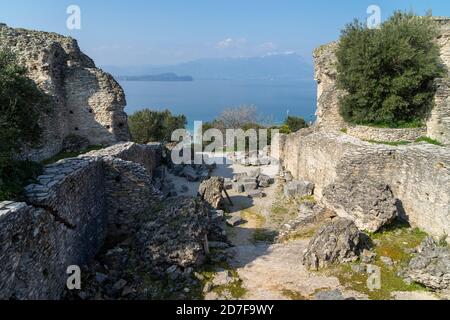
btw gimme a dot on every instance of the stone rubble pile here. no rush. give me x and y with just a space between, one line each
212 190
168 246
193 173
251 183
253 159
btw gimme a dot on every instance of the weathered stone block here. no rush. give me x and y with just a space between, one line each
336 242
298 189
371 205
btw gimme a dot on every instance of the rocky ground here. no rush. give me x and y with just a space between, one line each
269 239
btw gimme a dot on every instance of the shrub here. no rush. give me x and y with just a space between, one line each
21 105
236 118
388 73
153 126
295 123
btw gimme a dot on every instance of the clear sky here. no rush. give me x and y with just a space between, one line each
135 32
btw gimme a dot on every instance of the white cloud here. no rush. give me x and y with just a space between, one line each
231 43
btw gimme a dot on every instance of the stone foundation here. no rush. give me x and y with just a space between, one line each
329 118
86 101
385 134
418 174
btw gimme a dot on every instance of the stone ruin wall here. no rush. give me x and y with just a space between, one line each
328 117
419 175
74 205
438 125
86 101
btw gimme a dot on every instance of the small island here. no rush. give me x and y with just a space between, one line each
157 77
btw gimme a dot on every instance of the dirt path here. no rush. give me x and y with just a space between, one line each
268 270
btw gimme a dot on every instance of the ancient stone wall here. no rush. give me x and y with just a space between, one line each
328 117
385 134
438 124
418 174
86 102
68 214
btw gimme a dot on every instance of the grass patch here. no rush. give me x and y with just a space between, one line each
264 235
430 141
390 281
234 288
293 295
251 216
66 155
413 124
393 242
283 209
302 233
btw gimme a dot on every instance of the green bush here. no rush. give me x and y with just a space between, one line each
154 126
21 105
389 72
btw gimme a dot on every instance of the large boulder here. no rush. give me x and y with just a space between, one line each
371 205
211 191
337 242
177 235
431 266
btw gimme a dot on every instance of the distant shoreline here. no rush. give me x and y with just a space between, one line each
165 77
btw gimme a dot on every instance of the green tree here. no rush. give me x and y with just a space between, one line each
388 73
152 126
21 105
295 123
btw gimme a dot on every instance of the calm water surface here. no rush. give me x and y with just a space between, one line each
205 99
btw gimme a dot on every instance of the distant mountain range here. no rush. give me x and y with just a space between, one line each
275 66
157 77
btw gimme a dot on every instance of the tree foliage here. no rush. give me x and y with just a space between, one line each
294 123
388 73
21 105
154 126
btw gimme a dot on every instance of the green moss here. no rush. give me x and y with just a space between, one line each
16 176
390 143
235 288
293 295
429 140
390 281
66 155
308 199
302 233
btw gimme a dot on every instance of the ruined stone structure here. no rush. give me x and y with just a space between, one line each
86 102
438 124
74 205
418 174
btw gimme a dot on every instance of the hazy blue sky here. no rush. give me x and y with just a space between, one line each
137 32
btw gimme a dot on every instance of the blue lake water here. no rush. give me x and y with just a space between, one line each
205 99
